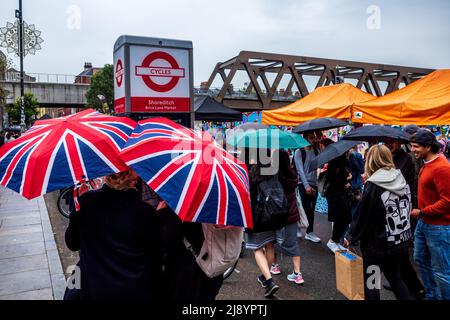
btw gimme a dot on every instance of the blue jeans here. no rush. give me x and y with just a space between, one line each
432 256
287 241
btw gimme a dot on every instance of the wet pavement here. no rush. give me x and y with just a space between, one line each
317 267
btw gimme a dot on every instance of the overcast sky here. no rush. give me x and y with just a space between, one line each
410 33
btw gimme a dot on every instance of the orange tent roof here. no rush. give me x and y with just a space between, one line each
423 102
329 101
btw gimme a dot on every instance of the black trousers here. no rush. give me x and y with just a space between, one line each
339 212
339 228
309 204
410 277
390 266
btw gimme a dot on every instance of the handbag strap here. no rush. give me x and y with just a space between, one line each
188 246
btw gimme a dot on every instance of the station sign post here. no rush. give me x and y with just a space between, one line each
154 77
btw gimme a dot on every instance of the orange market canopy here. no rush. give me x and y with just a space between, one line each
329 101
423 102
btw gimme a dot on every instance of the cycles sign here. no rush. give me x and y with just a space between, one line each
160 79
153 75
149 72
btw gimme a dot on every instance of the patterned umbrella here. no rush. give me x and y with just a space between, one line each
198 179
57 153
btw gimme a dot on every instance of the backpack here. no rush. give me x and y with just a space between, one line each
272 209
220 249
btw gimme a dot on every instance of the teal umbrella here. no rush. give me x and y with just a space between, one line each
271 138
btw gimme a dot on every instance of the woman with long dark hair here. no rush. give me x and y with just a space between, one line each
262 237
287 236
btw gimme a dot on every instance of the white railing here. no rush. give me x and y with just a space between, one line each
46 78
71 79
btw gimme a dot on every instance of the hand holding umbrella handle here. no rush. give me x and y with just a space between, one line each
161 205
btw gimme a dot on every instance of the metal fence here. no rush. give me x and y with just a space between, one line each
47 78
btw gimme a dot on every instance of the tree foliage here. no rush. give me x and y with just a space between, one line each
3 92
30 108
102 83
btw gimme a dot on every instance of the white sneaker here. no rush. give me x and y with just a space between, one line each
312 237
299 233
333 246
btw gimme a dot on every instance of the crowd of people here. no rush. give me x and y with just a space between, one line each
7 136
391 200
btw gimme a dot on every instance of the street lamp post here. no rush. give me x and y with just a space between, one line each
21 39
105 106
19 15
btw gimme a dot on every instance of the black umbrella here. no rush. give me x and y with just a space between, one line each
208 109
319 124
375 132
332 151
45 117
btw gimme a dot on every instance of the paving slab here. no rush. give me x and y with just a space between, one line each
42 294
24 281
22 264
30 266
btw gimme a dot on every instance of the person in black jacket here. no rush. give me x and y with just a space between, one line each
117 236
382 223
338 179
2 138
183 279
261 238
287 241
406 165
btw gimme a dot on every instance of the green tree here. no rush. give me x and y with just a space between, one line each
102 83
3 92
30 107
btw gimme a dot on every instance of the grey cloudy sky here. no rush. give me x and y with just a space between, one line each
411 33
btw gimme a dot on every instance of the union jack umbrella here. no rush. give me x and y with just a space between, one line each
196 177
60 152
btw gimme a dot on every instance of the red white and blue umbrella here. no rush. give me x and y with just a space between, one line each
61 152
196 177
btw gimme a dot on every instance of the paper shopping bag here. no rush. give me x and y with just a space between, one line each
349 275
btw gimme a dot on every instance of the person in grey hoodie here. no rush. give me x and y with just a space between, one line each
382 224
308 181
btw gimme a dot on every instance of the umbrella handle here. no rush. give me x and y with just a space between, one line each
75 198
76 194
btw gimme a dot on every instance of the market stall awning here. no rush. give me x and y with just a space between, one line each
208 109
423 102
329 101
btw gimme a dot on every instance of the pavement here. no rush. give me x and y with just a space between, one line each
317 267
30 266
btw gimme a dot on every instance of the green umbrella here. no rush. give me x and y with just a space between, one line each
271 138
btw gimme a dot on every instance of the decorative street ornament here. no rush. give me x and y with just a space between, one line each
9 38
